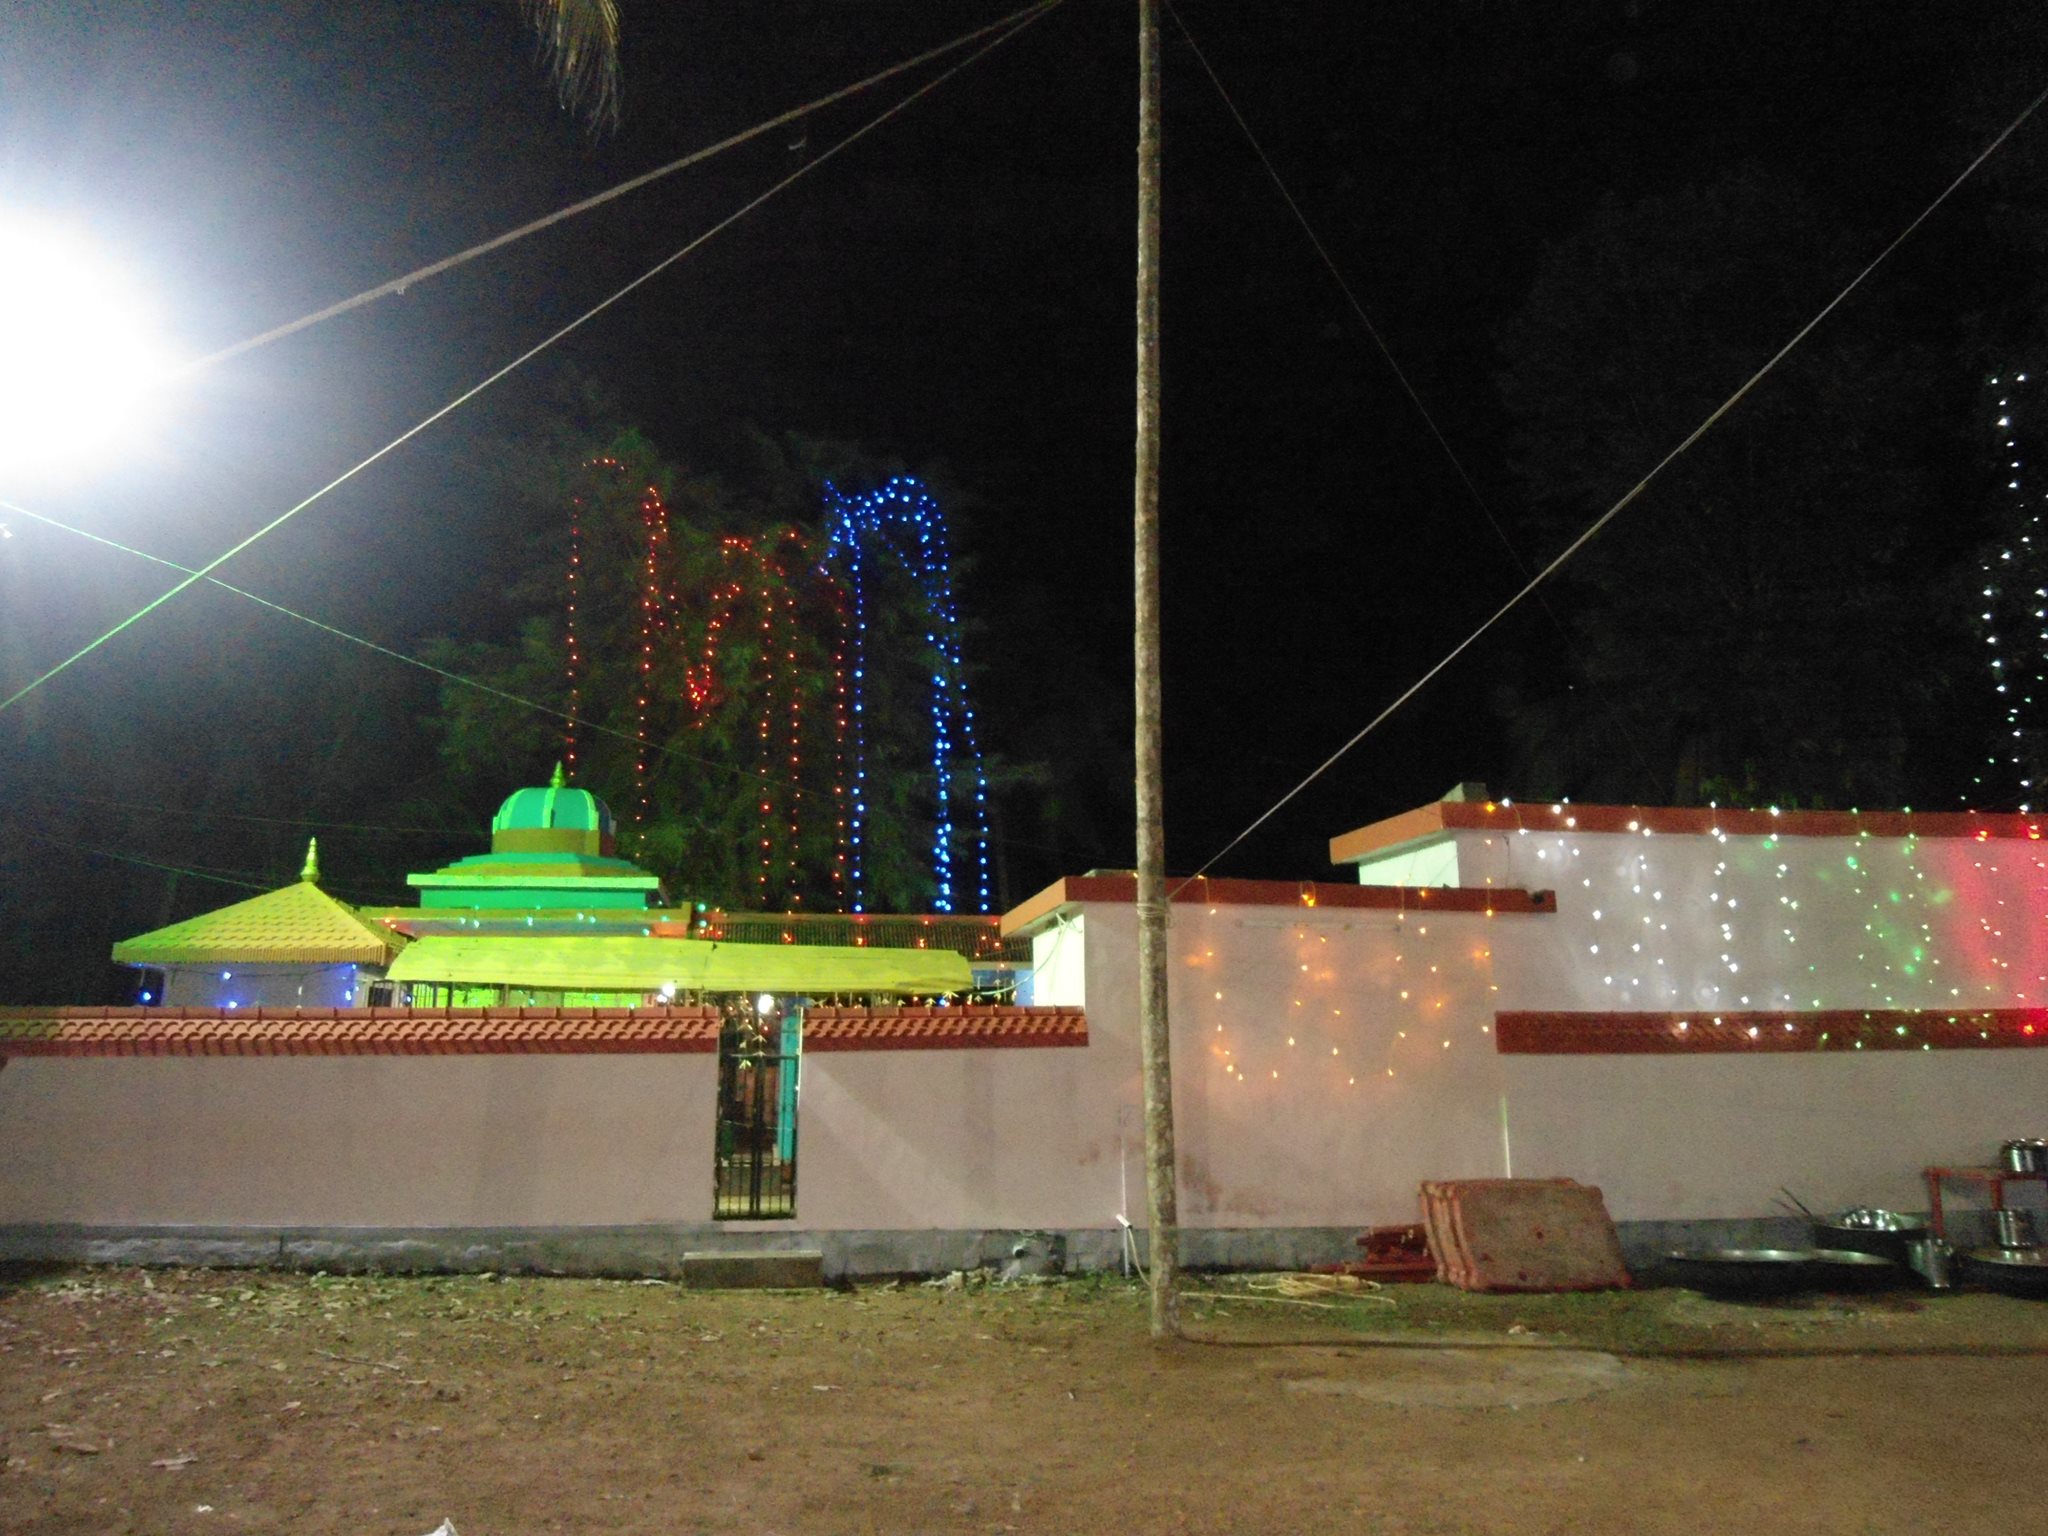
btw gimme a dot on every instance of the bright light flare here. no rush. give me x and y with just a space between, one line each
79 358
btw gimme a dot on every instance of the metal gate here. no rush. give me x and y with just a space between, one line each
757 1075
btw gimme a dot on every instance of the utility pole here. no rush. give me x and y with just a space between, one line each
1162 1203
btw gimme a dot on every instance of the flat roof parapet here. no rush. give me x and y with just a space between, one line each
1029 916
1445 816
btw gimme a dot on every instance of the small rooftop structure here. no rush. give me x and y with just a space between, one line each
551 847
299 924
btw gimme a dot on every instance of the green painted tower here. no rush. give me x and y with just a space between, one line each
552 848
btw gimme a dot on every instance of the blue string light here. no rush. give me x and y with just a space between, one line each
902 519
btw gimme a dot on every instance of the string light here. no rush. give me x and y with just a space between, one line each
2014 598
901 521
571 645
808 615
653 622
1743 930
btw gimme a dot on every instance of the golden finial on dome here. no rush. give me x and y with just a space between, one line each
311 873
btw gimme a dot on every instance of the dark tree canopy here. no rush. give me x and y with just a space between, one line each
1746 630
702 650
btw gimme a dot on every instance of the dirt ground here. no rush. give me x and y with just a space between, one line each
194 1401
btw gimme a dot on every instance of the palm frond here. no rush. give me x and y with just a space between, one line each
579 43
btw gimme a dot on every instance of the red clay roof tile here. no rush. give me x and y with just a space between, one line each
926 1029
491 1031
352 1031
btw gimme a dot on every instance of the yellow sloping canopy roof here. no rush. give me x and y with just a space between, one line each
300 924
617 963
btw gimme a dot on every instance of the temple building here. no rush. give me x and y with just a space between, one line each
548 1063
295 947
550 917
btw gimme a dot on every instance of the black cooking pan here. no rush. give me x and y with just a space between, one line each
2015 1271
1753 1274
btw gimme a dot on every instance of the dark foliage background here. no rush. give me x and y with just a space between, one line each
1576 226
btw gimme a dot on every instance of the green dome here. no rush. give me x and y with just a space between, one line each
555 808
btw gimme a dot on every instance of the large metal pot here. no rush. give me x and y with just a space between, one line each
2024 1154
1864 1229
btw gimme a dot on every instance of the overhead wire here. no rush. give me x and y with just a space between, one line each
1344 287
399 285
1028 16
129 858
191 813
382 650
661 748
1634 491
314 825
443 673
1386 353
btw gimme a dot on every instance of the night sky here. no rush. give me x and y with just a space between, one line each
956 292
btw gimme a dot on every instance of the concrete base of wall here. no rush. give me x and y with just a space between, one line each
661 1251
640 1251
795 1270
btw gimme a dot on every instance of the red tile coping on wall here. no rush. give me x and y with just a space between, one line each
937 1029
1278 893
505 1031
1692 821
1726 1033
355 1031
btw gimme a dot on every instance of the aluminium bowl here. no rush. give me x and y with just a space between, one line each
1868 1218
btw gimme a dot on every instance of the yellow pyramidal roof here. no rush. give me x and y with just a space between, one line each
300 924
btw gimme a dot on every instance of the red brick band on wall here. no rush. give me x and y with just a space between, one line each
94 1032
929 1029
356 1031
1728 1033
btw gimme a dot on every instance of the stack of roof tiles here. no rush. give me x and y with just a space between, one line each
1522 1235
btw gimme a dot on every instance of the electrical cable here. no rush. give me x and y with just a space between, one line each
1344 287
267 821
372 645
445 674
1386 353
1627 498
399 285
532 352
129 858
747 774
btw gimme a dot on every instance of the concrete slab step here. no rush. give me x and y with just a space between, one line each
785 1270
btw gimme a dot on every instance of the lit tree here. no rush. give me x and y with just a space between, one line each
705 645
